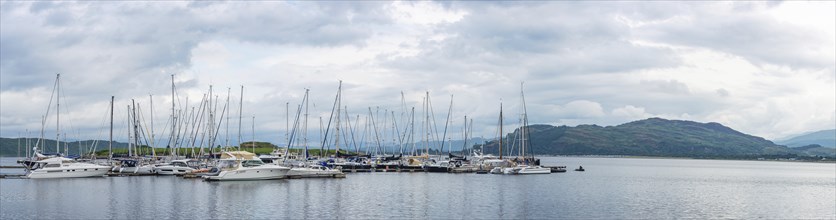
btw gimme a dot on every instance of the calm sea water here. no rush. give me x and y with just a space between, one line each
611 188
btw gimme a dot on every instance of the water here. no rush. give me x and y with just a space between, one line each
611 188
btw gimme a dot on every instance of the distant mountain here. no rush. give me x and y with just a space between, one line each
649 137
9 146
825 138
815 150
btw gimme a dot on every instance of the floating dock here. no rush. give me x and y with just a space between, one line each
13 176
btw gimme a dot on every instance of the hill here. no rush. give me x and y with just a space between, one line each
825 138
649 137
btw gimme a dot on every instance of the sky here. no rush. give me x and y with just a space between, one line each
762 68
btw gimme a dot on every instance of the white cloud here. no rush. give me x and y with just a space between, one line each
756 67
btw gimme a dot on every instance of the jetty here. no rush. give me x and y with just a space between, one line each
13 176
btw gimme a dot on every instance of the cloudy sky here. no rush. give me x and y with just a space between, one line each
766 69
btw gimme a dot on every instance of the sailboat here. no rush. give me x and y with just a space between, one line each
526 165
59 166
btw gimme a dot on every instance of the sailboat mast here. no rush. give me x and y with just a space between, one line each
57 113
465 134
135 127
337 138
151 97
253 130
412 131
305 132
524 129
427 122
226 143
110 143
287 123
501 135
129 129
240 108
173 143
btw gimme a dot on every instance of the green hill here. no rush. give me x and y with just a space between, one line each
649 137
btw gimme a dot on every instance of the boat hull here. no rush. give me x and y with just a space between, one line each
172 170
534 170
251 173
436 169
147 169
64 172
311 172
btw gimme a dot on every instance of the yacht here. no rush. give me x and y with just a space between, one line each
61 167
242 165
526 169
130 166
314 170
176 167
436 167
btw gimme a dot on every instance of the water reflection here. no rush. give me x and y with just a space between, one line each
610 188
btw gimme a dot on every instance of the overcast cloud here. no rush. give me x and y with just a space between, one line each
767 69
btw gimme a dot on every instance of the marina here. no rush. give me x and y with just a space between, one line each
417 110
669 188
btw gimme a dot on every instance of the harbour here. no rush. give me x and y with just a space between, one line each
417 110
610 188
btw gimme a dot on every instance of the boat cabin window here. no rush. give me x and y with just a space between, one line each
227 164
53 165
251 163
129 163
178 164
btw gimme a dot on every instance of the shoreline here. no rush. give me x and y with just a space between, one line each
687 158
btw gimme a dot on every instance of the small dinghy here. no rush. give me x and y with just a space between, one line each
580 169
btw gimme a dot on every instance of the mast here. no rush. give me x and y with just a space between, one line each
501 135
226 144
173 143
153 141
524 129
110 143
426 123
253 141
412 132
57 113
240 108
444 136
305 132
465 135
287 123
130 121
135 127
337 138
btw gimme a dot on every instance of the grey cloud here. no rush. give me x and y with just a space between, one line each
565 51
743 32
665 87
723 92
568 41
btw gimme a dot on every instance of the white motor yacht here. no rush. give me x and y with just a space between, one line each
526 169
242 165
313 170
176 167
61 167
134 167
